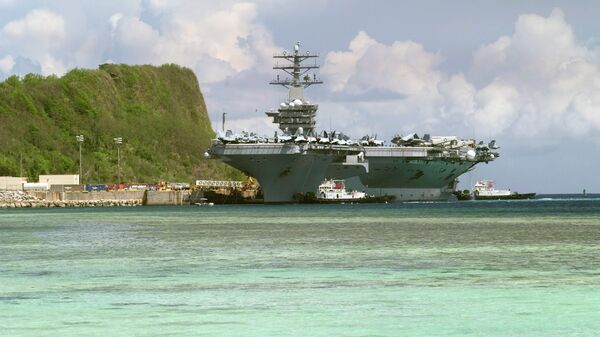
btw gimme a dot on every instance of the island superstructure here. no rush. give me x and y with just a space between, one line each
296 112
297 159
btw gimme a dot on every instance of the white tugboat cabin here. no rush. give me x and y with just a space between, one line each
332 189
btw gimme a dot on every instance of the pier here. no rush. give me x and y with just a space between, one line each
99 195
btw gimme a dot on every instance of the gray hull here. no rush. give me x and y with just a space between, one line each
403 194
282 170
405 177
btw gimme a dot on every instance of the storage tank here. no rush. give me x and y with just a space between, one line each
35 186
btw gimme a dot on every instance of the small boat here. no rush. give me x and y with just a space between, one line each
204 202
335 190
486 190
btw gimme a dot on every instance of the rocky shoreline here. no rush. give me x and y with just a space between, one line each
18 199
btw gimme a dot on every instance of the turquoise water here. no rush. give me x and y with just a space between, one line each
521 268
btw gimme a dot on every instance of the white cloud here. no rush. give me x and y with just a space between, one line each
51 64
496 109
135 40
216 44
553 76
40 25
490 59
537 83
404 67
459 94
114 20
217 40
340 66
419 95
6 64
39 36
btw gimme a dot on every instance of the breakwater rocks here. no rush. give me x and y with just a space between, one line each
18 199
15 196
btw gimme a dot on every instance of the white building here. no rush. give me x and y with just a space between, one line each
12 183
59 179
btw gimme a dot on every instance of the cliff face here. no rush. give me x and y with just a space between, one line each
159 112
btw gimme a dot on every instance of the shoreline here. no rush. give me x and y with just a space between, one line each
68 203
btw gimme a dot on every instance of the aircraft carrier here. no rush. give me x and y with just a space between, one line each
297 159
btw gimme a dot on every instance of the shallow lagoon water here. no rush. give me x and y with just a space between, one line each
518 268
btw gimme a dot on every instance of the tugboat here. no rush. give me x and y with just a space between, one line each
336 190
486 190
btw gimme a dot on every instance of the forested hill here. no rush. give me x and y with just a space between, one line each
158 111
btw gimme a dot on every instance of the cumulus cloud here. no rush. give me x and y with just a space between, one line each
497 106
340 66
551 80
460 96
38 35
41 24
422 95
6 64
217 40
404 67
537 82
216 44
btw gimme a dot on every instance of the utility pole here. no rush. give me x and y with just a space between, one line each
118 141
80 139
21 164
223 126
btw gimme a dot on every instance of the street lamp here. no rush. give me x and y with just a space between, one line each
80 139
118 141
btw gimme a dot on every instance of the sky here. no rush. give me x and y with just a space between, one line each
525 73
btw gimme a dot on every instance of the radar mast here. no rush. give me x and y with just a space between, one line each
296 112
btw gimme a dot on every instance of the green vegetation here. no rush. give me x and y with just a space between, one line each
159 112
